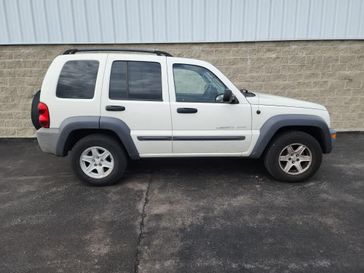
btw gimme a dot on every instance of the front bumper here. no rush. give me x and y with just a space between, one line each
333 136
330 141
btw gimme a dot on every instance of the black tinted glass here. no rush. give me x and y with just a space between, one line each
136 81
77 80
118 88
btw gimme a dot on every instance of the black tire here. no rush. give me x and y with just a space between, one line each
278 145
34 114
106 142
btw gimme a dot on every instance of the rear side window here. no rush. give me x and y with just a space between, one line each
132 80
77 80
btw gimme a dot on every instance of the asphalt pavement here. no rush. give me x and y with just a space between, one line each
181 215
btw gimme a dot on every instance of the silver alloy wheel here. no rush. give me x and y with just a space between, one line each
96 162
295 159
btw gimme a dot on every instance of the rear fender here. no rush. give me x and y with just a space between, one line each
115 125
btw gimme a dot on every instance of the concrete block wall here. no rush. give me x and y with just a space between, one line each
326 72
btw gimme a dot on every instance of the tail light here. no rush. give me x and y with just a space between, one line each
43 115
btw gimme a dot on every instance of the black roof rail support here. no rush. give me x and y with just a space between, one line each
153 51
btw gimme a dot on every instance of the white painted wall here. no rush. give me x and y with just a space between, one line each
176 21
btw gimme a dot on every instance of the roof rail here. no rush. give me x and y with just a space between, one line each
153 51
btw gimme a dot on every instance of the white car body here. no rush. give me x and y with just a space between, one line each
160 118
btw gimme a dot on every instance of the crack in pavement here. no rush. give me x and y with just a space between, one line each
141 227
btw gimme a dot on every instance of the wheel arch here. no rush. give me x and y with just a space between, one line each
313 125
75 128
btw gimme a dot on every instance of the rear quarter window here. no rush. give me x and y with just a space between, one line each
77 80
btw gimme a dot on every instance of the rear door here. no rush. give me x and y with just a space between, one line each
135 90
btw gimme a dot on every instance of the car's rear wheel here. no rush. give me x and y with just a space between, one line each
98 160
293 156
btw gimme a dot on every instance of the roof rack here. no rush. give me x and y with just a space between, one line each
153 51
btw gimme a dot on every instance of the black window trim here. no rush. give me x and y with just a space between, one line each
59 76
174 83
127 82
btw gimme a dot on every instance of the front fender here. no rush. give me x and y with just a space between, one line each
273 124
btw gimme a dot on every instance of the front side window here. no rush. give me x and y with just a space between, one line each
77 80
196 84
133 80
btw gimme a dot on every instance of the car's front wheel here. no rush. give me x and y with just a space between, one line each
293 156
98 160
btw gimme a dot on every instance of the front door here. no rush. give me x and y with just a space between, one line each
202 124
136 91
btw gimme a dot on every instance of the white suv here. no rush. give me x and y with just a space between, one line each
107 106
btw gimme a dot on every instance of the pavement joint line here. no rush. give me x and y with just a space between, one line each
141 227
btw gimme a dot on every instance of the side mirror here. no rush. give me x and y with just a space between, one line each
227 97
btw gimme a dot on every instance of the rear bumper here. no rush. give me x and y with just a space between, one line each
48 139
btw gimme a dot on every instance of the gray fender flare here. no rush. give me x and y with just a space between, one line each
273 124
122 130
115 125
